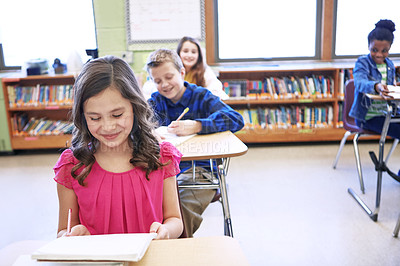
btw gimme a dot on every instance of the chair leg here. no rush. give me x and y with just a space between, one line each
395 142
342 142
358 162
397 228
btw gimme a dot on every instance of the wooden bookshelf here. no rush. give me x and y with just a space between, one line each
332 132
49 111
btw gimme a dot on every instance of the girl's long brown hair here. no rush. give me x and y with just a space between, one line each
96 76
199 67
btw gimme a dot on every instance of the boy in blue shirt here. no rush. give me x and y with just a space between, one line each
207 114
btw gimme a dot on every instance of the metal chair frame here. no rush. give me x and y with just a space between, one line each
352 129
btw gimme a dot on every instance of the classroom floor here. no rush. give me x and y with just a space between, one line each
288 206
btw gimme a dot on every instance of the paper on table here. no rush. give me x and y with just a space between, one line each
113 247
26 260
172 138
394 91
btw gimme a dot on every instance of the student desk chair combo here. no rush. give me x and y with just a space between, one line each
391 116
349 124
218 148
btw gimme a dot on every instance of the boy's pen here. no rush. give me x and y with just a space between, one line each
69 221
183 113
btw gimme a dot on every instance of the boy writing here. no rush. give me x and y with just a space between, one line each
207 114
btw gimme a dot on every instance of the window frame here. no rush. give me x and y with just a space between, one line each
3 66
333 41
318 39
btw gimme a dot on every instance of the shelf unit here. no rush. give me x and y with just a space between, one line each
53 112
259 135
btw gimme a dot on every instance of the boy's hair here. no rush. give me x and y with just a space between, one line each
96 76
161 56
199 67
383 31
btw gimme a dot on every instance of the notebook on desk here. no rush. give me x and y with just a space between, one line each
172 138
394 91
96 248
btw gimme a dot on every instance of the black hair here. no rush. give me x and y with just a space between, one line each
383 31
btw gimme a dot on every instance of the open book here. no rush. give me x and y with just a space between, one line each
394 91
172 138
114 247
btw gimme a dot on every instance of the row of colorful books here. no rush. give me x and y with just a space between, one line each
344 76
24 126
38 95
285 117
314 86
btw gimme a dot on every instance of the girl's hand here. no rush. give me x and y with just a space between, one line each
77 230
382 90
160 229
184 127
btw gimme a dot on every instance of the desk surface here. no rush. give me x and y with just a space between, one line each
214 250
212 146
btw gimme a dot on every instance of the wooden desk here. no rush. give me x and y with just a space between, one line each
215 250
212 146
218 147
390 117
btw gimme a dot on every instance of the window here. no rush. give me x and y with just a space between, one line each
45 29
356 18
267 30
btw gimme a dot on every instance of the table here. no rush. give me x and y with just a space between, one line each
219 147
390 117
214 250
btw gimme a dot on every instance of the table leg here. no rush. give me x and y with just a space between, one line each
397 228
225 203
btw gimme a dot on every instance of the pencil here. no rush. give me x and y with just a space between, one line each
183 113
69 221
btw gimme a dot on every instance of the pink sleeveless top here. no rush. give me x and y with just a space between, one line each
112 203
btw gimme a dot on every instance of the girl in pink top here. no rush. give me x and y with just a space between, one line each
116 177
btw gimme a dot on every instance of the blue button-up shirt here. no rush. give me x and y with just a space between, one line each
214 115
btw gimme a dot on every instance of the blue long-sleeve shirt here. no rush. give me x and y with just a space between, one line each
214 115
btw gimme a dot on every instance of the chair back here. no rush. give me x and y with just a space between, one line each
349 122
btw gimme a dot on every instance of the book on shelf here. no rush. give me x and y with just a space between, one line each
96 248
288 87
39 95
288 117
22 126
345 74
235 88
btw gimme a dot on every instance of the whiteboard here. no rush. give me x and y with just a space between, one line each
164 20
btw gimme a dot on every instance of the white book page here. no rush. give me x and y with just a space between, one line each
113 247
394 91
172 138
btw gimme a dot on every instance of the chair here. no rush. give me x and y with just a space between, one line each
352 129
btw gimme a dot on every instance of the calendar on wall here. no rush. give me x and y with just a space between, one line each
155 21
